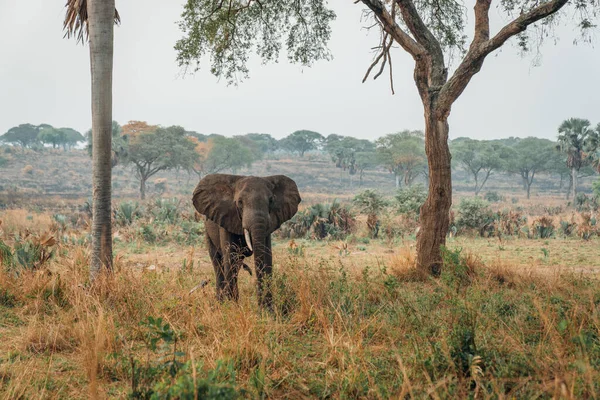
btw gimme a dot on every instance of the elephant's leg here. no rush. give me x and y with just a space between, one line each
264 270
231 259
217 262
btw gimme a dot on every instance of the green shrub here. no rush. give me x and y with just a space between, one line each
190 232
586 203
410 199
148 234
371 203
493 197
127 212
164 375
166 210
61 221
474 213
544 227
28 252
596 188
567 228
322 220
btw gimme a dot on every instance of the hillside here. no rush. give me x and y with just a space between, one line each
66 176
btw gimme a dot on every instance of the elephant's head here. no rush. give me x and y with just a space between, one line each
248 205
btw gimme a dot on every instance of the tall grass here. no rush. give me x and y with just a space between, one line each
375 332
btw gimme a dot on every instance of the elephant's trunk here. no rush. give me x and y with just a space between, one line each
263 263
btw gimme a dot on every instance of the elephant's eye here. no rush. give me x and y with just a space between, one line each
271 201
239 204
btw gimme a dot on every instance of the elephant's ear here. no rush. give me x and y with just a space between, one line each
214 198
286 199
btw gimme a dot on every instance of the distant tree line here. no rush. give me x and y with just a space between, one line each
36 136
149 149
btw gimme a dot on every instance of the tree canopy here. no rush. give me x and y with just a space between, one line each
529 157
24 135
403 154
150 152
479 158
302 141
227 154
579 141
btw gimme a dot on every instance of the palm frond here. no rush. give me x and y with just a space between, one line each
76 20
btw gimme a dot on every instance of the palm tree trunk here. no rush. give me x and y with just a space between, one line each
101 14
574 184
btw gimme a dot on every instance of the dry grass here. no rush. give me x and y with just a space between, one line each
352 320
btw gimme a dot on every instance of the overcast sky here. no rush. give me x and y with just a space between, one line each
45 79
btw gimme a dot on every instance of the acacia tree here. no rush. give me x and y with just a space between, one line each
365 160
227 154
529 157
430 31
150 152
302 141
53 136
403 154
578 140
479 158
24 135
343 151
94 20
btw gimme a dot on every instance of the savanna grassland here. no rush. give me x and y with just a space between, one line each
515 313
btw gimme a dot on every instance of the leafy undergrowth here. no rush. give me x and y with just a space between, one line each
376 332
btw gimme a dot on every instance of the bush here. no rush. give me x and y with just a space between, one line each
586 203
510 222
148 234
27 170
493 197
567 227
166 376
474 213
166 210
127 212
371 203
596 188
160 184
543 227
28 252
323 220
410 199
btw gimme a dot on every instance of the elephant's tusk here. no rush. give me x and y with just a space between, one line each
248 239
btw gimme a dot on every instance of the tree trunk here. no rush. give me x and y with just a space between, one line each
101 25
397 181
574 184
570 186
143 187
528 190
435 213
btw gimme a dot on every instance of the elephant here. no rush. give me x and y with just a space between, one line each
241 212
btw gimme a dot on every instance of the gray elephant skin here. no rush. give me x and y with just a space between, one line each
241 213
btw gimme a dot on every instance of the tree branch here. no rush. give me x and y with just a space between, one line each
482 22
481 47
419 30
390 26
